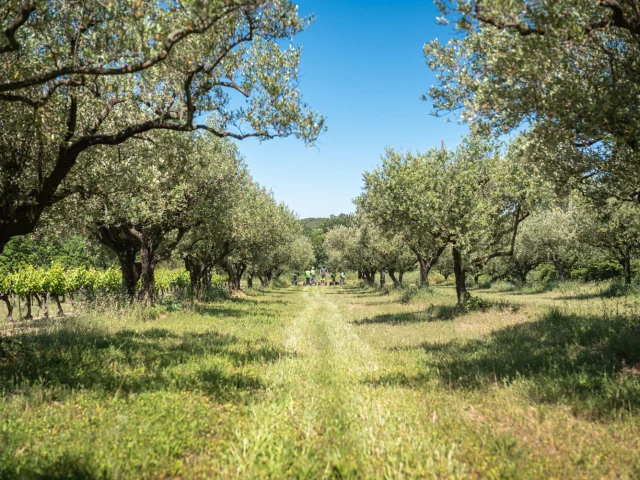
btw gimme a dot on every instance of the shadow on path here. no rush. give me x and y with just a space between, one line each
433 314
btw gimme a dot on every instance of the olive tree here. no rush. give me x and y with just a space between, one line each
473 198
366 248
556 233
278 244
255 228
566 69
529 252
158 190
354 248
615 228
299 253
388 200
78 75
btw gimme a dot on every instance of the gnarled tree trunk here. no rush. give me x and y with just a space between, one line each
148 262
57 299
45 314
392 274
29 299
458 270
5 298
126 246
425 264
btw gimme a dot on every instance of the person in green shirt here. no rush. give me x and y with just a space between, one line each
307 276
333 278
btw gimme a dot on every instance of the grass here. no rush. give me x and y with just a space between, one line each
330 383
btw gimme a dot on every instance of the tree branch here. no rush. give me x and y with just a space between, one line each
172 40
166 252
519 218
104 114
132 231
26 9
617 19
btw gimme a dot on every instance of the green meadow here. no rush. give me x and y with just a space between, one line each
329 382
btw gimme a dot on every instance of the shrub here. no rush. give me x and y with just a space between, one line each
547 273
171 306
408 293
477 304
617 288
597 271
152 313
503 286
279 282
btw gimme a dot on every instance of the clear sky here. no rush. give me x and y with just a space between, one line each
364 70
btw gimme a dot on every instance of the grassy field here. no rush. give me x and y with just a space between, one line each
314 382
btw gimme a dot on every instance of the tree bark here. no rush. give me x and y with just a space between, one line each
626 265
425 265
424 271
126 247
131 272
523 277
240 269
458 270
57 298
400 275
147 260
28 315
196 271
250 281
45 314
370 277
383 279
5 298
234 272
394 279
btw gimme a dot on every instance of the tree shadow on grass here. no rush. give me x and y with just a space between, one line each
433 314
580 361
353 291
536 289
67 467
78 357
245 308
219 311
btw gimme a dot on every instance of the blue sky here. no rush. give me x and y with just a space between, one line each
364 70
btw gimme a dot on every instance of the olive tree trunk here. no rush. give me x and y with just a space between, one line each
394 279
458 270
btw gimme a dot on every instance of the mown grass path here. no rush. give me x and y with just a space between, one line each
312 419
321 382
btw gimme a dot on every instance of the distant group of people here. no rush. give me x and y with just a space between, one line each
310 277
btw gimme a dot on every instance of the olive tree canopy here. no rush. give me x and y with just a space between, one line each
567 69
76 74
